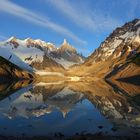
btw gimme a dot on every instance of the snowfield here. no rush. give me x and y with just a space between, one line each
27 54
5 53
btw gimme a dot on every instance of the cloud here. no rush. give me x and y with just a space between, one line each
87 18
30 16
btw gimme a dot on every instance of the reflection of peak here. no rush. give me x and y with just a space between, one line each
65 112
65 100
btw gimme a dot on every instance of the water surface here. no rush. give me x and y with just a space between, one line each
69 108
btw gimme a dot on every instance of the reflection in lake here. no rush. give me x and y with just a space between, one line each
69 108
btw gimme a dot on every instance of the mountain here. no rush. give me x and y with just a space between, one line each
12 67
10 71
67 53
120 52
43 55
8 55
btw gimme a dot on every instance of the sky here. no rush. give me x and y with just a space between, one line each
84 23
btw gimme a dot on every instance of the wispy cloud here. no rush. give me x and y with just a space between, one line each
87 18
30 16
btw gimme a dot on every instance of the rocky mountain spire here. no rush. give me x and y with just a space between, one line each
67 47
65 41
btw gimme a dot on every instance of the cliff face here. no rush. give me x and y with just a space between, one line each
9 71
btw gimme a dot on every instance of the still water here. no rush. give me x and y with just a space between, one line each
69 108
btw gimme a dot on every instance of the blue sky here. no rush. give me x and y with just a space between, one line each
84 23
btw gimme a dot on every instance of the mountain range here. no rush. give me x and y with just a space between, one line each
117 57
43 55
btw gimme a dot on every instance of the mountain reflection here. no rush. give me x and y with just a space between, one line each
117 105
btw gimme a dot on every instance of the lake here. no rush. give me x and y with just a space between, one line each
69 108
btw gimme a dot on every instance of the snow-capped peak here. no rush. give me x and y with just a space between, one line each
65 41
39 41
67 47
11 38
27 39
